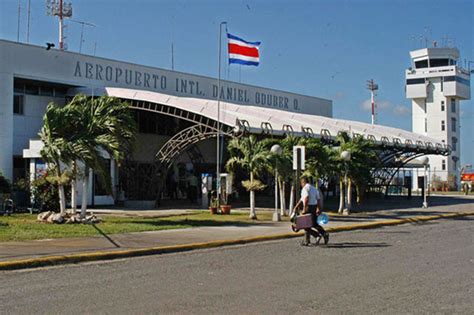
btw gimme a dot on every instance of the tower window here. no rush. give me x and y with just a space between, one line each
454 142
442 106
18 104
453 105
453 124
439 62
421 64
443 125
443 165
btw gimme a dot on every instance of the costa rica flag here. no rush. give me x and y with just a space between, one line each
243 52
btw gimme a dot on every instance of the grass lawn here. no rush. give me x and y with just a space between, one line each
20 227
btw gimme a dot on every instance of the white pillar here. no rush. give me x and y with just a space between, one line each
6 124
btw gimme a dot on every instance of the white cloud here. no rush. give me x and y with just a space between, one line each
380 105
401 110
339 95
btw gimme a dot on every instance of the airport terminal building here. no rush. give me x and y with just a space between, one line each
176 114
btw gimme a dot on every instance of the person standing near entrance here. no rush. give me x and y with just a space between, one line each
311 201
192 187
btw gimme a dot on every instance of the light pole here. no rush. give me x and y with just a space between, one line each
276 150
345 156
425 161
218 145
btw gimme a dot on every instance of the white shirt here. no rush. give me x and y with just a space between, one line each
310 191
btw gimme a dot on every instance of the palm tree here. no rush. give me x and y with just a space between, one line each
363 159
285 170
253 156
104 124
55 135
81 131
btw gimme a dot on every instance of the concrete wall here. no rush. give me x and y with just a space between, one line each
36 63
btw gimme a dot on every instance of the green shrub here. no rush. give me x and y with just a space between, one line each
44 190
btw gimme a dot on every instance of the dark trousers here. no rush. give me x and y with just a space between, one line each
319 229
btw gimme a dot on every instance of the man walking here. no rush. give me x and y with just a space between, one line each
311 201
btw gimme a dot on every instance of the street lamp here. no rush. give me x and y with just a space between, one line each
345 156
276 150
425 161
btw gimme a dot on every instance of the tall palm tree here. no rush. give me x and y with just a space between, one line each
253 156
285 171
57 151
81 131
363 159
104 124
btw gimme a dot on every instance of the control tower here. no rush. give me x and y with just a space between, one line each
436 84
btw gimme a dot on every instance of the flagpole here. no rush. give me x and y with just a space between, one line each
218 159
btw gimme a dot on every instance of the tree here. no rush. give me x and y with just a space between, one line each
56 135
83 130
5 187
363 159
285 169
104 124
252 155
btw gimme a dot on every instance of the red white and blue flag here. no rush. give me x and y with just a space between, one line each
243 52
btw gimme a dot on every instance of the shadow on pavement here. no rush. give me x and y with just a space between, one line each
106 236
356 245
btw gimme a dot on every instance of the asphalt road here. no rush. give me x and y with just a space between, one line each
427 268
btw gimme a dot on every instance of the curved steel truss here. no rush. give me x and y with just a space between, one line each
177 113
182 141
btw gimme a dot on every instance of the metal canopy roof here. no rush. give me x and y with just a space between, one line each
279 122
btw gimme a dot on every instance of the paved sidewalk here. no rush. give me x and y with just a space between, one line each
39 248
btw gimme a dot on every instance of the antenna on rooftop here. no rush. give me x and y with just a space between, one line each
28 21
82 23
427 35
18 25
372 87
62 10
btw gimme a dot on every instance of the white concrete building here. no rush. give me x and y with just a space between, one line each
167 106
436 84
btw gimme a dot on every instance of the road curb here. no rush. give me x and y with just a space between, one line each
117 254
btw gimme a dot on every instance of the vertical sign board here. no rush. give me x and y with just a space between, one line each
298 165
299 157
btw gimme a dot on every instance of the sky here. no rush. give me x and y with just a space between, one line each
320 48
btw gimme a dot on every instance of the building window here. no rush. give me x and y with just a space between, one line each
442 106
31 89
415 81
443 126
426 125
46 91
18 104
454 142
421 64
453 105
20 167
453 124
443 165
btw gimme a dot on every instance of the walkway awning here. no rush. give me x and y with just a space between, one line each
276 121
